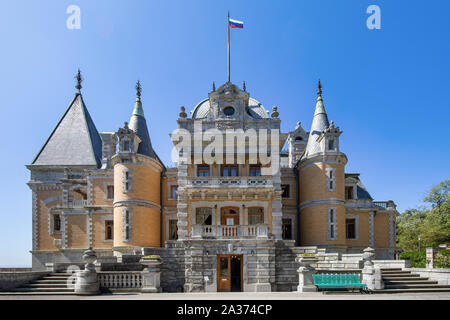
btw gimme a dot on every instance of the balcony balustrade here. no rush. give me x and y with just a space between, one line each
238 182
230 232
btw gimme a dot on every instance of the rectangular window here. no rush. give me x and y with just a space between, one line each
350 228
255 216
332 224
287 229
331 179
330 144
110 192
229 170
286 190
203 170
127 222
56 222
173 230
126 146
109 230
348 193
255 171
173 191
204 216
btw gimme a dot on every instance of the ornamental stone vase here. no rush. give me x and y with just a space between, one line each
305 272
151 275
87 280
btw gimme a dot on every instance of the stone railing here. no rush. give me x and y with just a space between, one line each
78 203
387 205
229 232
120 280
240 182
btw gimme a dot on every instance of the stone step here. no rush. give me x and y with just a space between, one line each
51 289
59 274
403 278
395 272
50 281
45 285
36 293
401 275
54 278
415 290
415 286
410 282
390 269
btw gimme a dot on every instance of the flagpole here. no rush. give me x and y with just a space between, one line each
228 26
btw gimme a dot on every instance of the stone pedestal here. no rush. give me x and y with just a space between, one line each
87 280
151 275
305 272
371 275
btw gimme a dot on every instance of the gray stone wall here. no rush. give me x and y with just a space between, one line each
9 280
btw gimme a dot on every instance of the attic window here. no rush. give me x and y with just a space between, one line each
330 144
298 139
228 111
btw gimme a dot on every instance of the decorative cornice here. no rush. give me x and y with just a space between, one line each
137 203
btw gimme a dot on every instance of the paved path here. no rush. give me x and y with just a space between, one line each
237 296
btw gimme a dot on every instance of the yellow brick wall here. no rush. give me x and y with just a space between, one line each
45 240
381 228
97 232
76 231
313 182
313 224
363 230
99 192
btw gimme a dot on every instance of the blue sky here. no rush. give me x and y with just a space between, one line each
387 89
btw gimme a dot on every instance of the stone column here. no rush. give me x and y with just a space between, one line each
371 275
87 280
182 202
151 275
305 272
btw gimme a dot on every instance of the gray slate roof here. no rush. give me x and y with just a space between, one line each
255 109
74 141
319 123
139 125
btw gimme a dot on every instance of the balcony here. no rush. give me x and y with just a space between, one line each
78 203
386 205
230 182
229 232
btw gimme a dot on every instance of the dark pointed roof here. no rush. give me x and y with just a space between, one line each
139 125
74 140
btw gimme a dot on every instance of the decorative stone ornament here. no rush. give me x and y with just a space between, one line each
87 280
305 272
151 275
370 275
182 113
275 113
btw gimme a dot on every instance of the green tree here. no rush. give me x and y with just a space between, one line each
439 194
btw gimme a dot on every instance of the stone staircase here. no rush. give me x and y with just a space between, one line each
397 280
52 284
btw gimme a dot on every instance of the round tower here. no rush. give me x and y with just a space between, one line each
322 184
137 182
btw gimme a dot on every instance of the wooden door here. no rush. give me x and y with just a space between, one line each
229 272
229 216
223 273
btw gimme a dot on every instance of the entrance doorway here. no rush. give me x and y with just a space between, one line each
229 273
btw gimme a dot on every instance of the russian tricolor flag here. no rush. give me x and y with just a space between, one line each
236 24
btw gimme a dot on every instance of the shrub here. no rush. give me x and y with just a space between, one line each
418 258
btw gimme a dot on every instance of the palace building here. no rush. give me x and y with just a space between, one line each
221 226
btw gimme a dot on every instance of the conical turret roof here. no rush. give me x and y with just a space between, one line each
319 123
139 125
74 140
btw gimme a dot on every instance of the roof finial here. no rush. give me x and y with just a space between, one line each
79 81
214 86
244 86
138 90
319 89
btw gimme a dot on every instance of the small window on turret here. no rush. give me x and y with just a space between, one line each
330 144
126 146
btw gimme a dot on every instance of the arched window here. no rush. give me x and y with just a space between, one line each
203 216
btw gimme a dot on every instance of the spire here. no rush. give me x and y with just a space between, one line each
214 86
138 105
244 87
319 123
79 81
139 125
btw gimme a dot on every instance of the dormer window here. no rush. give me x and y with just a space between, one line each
228 111
331 144
126 145
298 139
